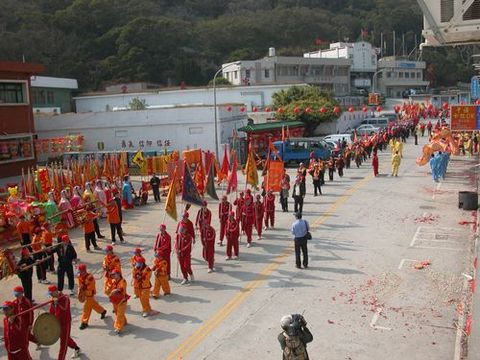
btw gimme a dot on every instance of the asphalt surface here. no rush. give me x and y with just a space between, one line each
361 295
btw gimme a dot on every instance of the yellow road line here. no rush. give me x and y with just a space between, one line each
187 346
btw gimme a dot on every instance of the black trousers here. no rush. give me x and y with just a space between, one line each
340 172
416 139
317 189
90 239
284 202
301 245
26 240
50 264
97 228
298 205
156 194
116 228
40 268
330 174
27 285
61 271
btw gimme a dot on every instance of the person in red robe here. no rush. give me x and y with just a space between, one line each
14 333
185 222
183 248
60 307
232 234
269 204
375 163
22 303
208 242
163 244
239 202
259 212
204 217
224 208
249 216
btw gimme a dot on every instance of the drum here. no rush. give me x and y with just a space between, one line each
116 298
46 329
81 296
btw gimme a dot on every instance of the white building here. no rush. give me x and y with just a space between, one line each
363 56
179 127
251 96
396 75
332 75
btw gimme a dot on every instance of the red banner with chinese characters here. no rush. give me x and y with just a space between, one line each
464 117
274 176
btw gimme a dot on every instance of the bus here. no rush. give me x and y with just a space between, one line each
297 150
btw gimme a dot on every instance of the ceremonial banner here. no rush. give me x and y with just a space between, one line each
189 190
211 183
251 169
223 173
232 180
464 117
139 159
275 175
171 203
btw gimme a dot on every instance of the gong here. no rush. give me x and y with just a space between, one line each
46 329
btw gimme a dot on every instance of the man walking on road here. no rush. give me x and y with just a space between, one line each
396 160
155 184
300 228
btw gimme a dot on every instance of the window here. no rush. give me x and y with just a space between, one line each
419 75
389 74
13 93
247 73
400 74
50 98
267 73
412 75
407 75
235 74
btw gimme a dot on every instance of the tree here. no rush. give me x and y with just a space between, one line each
220 81
303 103
137 104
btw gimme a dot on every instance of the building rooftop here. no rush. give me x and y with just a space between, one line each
54 82
21 67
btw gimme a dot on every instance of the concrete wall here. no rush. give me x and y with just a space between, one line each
249 95
183 127
344 122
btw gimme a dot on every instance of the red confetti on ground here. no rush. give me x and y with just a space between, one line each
427 219
330 322
422 265
465 222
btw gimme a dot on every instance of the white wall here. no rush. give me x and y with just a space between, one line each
249 95
185 127
346 121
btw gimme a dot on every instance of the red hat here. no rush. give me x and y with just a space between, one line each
137 250
8 304
82 267
224 197
25 251
109 248
249 191
116 271
204 203
139 259
185 214
65 239
163 226
37 229
18 289
52 288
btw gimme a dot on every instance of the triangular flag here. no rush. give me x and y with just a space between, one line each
171 203
223 173
199 178
189 190
251 169
232 179
211 183
139 159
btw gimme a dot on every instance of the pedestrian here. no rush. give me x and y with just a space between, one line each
163 245
110 263
160 271
14 330
204 216
118 201
269 208
60 307
24 229
239 202
317 188
297 197
86 294
66 255
285 187
23 305
294 337
249 216
375 163
155 184
119 299
25 272
183 248
259 214
433 162
47 239
396 160
89 231
127 190
208 242
224 207
38 256
232 234
340 164
331 168
300 230
113 219
141 283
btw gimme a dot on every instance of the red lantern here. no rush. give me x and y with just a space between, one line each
280 110
296 109
322 110
308 110
379 108
396 108
445 106
229 108
477 102
336 110
254 109
267 109
242 109
365 109
351 109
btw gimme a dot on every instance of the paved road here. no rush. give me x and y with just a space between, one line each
361 295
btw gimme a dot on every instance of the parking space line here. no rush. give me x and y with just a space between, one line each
415 236
438 248
402 262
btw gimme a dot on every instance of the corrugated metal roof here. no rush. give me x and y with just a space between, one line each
270 126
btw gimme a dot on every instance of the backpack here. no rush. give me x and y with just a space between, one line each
294 348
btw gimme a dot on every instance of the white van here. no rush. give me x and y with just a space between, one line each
335 137
380 122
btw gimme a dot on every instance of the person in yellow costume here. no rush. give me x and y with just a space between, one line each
392 144
87 291
142 285
110 262
396 160
119 299
399 148
160 269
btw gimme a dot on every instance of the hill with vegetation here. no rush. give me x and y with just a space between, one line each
101 42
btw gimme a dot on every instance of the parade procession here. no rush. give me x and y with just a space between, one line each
219 207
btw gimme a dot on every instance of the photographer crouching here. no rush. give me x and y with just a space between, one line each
294 337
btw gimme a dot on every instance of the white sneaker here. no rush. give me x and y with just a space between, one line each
209 271
235 257
113 243
117 332
145 314
184 282
228 258
192 278
213 269
265 228
248 245
76 353
259 238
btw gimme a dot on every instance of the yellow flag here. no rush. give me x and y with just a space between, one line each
251 169
139 159
171 203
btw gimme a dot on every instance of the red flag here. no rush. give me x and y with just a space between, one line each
223 173
232 179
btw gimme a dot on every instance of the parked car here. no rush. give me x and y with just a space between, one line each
381 122
367 129
335 137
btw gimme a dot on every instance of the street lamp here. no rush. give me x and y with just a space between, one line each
374 78
215 103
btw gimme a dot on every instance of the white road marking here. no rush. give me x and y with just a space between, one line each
437 248
415 236
375 319
402 262
435 190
